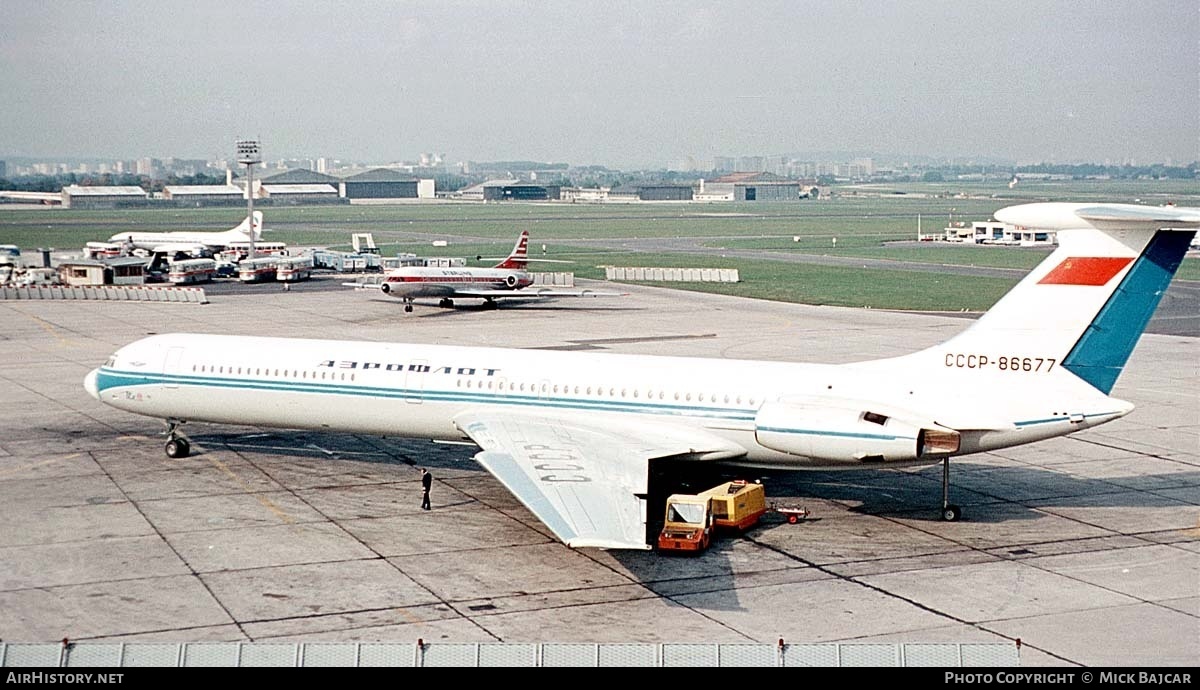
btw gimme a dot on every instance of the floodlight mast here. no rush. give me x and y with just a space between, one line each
248 153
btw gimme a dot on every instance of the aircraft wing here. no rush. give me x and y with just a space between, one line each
537 293
585 481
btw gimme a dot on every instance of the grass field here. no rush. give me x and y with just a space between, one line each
862 225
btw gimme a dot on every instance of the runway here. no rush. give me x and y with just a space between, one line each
1086 548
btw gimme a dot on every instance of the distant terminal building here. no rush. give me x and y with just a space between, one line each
995 232
509 190
589 194
74 196
205 195
380 183
752 186
651 192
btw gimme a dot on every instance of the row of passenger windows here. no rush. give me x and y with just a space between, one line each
600 391
268 371
611 391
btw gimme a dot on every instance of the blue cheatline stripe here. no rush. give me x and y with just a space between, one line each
1048 420
107 378
839 434
1101 352
1042 421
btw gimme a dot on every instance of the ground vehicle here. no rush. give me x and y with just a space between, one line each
737 505
691 518
688 524
291 269
36 276
10 254
191 271
257 269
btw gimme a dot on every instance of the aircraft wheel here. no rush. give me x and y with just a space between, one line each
951 513
178 448
408 307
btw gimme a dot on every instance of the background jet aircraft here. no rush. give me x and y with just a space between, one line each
507 279
572 434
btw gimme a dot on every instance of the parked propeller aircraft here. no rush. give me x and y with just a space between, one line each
193 243
572 434
508 279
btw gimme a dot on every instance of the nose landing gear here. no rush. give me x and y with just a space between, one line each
177 446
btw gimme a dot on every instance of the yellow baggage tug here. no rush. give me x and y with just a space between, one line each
691 518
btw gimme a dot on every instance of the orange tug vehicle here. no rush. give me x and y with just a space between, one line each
691 518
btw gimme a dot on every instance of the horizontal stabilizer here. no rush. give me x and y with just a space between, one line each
1074 216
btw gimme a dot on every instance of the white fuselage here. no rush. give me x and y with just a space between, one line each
423 281
418 390
153 240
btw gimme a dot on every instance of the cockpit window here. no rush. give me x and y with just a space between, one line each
112 361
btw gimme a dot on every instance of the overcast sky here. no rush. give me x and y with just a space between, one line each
614 83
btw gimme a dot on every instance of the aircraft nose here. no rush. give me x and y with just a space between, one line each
89 384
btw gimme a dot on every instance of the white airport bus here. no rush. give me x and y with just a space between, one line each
240 250
257 269
191 271
290 269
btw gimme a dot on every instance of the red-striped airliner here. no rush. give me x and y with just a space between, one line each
507 279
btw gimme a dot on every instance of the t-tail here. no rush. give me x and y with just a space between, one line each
518 259
1083 309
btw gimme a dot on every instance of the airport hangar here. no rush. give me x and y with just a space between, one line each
1087 548
378 183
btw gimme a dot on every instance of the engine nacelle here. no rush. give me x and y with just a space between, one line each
510 280
843 433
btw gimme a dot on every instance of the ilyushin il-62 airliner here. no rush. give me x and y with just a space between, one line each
571 434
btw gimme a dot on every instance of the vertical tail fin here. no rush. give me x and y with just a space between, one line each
1084 307
243 228
518 259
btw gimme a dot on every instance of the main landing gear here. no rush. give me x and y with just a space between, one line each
408 305
177 446
950 512
446 303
